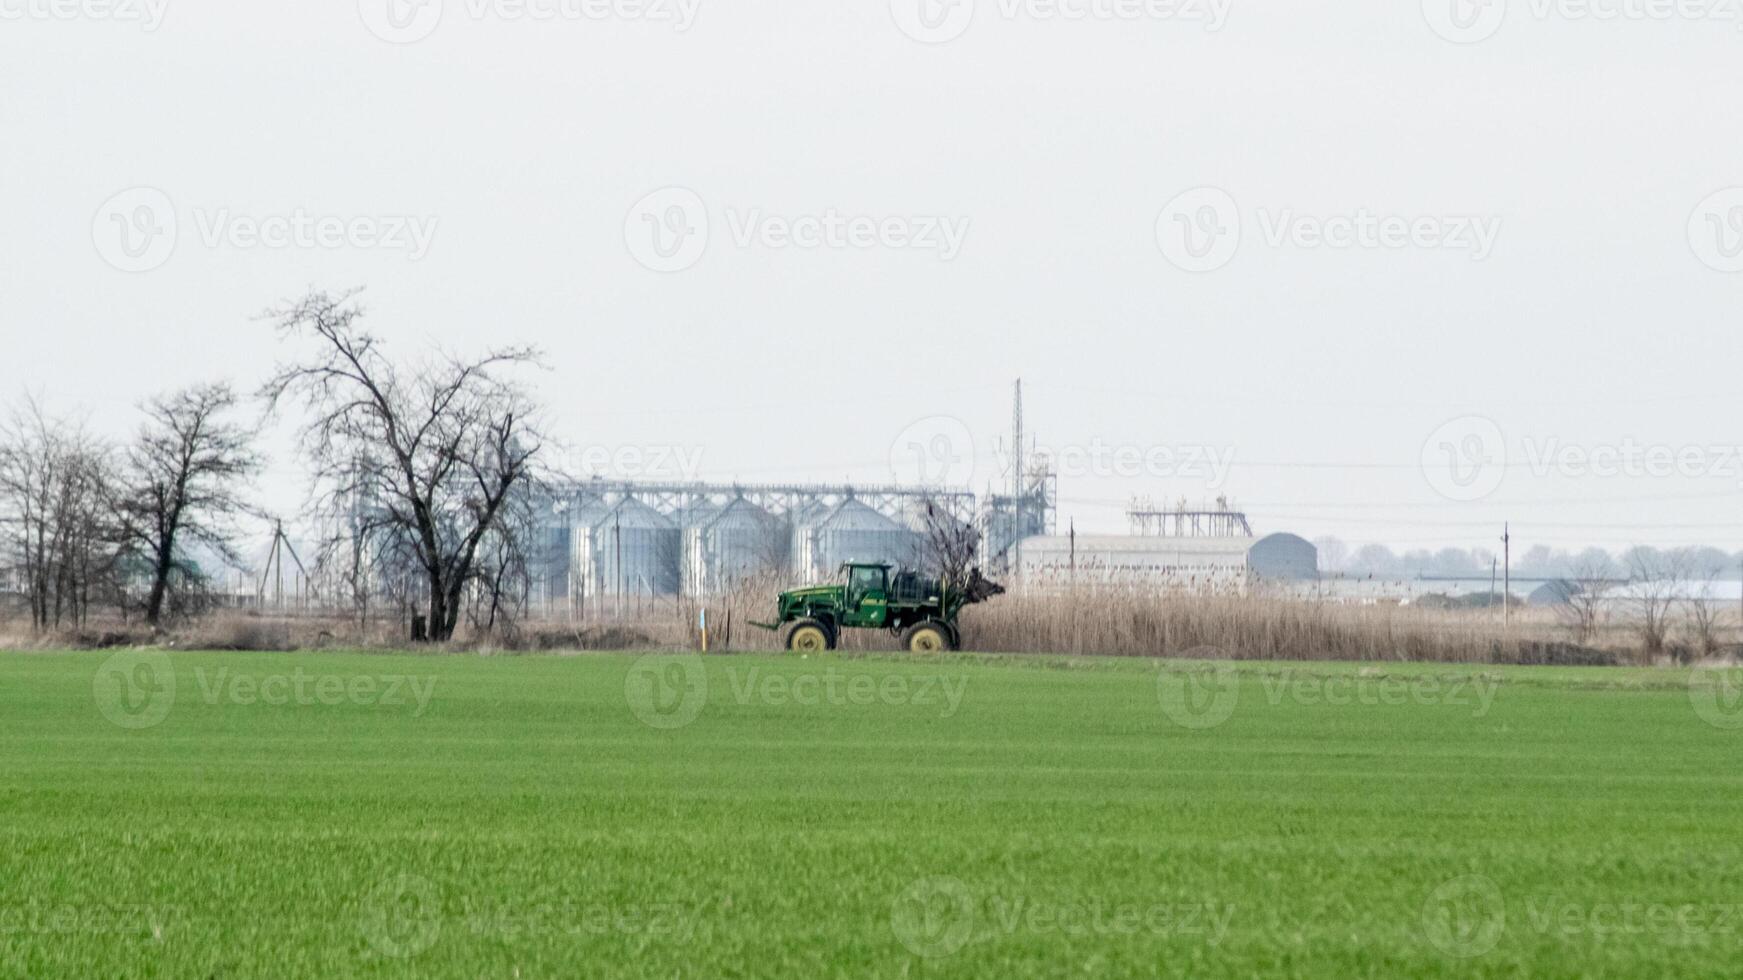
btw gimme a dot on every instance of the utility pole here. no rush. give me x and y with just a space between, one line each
278 566
1494 569
1017 508
1073 536
1076 634
1507 576
274 571
617 557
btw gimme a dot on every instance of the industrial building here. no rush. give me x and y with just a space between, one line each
609 540
606 540
603 546
1206 564
1210 550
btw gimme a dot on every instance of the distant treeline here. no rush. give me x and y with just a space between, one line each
1536 561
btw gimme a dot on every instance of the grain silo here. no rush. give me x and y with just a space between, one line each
802 523
628 549
584 571
692 522
551 563
735 543
854 532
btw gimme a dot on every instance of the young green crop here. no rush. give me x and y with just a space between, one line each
357 815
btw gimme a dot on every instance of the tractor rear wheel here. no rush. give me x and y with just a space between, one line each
930 636
810 636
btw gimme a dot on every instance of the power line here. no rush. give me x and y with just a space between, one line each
1566 525
1446 406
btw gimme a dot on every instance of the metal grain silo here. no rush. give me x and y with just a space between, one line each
551 564
636 550
855 532
550 553
802 539
584 569
736 543
692 523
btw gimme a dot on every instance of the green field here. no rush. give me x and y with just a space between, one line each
342 815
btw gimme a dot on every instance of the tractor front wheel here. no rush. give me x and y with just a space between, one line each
810 636
931 636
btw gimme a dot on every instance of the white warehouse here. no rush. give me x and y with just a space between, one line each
1231 564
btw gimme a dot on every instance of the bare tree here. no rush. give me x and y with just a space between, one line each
91 549
772 556
502 574
420 458
1655 587
1581 605
1333 553
948 546
184 483
1704 611
56 492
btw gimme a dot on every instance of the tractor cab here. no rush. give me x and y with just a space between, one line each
865 593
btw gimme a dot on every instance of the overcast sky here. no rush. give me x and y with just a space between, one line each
1389 270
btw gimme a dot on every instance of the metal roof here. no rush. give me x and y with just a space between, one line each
632 513
1132 544
851 515
741 514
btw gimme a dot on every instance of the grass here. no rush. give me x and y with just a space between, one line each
606 815
1094 621
1146 622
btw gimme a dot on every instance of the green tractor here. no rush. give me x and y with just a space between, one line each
872 595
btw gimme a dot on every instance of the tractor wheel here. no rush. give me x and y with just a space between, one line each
810 636
930 636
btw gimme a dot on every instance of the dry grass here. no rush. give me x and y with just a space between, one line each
1101 622
227 630
1124 623
1133 623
